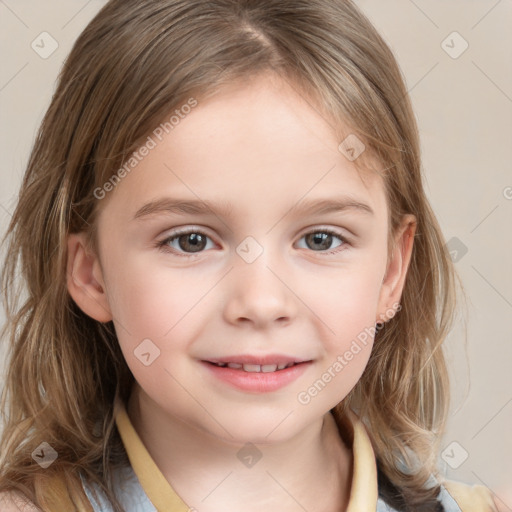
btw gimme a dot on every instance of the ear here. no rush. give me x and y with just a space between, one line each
85 279
396 271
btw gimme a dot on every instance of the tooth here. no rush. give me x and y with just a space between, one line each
221 364
268 368
236 366
289 364
281 366
252 367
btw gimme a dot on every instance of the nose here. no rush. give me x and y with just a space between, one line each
259 294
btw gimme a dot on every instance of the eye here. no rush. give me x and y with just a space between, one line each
322 240
189 242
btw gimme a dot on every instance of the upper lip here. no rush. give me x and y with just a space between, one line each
279 359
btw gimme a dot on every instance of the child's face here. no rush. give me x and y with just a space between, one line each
254 285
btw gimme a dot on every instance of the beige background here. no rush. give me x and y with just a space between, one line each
464 109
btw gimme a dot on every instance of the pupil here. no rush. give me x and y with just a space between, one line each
194 241
323 239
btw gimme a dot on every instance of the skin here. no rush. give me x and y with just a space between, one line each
262 148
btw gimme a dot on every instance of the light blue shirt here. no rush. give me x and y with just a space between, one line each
132 497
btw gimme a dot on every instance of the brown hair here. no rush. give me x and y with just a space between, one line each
135 62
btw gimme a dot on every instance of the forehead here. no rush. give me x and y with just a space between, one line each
260 142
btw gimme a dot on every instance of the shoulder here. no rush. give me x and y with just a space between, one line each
470 497
457 497
128 491
14 502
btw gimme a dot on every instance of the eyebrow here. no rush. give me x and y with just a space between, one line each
168 205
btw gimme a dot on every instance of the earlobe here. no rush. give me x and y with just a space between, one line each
85 280
396 272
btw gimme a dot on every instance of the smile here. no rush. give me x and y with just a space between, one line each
256 374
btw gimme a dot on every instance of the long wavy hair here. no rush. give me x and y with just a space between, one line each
135 62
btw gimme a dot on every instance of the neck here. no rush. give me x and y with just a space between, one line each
311 471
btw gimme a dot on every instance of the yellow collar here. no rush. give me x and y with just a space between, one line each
363 494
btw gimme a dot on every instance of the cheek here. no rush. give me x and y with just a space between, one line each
347 300
347 312
165 306
151 303
151 312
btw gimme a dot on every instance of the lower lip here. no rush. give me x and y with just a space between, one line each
258 382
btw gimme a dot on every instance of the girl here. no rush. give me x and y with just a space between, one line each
237 292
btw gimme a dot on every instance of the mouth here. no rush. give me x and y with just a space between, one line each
257 374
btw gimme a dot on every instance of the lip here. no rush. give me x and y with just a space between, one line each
257 382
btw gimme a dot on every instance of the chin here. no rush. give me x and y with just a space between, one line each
257 429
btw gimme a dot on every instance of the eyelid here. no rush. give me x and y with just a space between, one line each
343 233
185 230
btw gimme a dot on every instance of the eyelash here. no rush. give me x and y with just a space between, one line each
162 245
